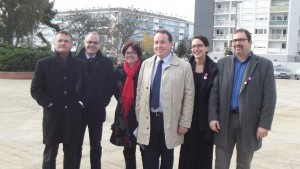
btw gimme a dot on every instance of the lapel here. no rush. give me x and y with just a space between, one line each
230 72
149 66
174 61
248 72
208 71
59 64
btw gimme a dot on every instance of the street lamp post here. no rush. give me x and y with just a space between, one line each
235 3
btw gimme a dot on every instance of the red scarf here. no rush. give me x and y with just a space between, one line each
128 90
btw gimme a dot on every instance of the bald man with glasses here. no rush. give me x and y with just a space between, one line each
101 74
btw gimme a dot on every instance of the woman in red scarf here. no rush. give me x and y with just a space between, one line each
125 122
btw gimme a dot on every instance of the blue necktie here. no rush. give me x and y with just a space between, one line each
155 92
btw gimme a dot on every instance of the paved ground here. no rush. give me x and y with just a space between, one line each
21 135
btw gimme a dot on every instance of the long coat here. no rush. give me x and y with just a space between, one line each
257 100
64 85
201 102
129 122
178 99
101 75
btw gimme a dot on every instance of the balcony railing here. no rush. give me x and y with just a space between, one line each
221 23
222 10
276 50
278 22
277 37
279 8
221 36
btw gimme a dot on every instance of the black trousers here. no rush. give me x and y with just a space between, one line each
95 133
50 154
157 147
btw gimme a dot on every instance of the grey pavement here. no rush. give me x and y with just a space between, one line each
21 133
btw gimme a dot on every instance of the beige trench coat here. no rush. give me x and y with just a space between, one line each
177 96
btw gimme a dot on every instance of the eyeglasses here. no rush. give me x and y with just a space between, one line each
92 42
197 46
130 53
240 40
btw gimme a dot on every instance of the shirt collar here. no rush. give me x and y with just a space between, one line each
166 59
249 56
88 56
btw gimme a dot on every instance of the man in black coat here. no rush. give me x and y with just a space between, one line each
101 74
61 86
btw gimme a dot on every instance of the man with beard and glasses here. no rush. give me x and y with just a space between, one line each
242 103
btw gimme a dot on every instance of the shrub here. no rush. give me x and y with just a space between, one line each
20 59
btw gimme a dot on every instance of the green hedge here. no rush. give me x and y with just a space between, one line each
20 59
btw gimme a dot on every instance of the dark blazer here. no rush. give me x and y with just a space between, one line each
201 102
257 100
101 74
63 84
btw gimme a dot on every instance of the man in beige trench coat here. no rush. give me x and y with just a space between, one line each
162 125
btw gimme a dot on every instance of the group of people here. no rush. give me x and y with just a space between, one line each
162 102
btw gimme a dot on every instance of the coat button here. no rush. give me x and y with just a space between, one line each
66 107
147 128
65 92
65 77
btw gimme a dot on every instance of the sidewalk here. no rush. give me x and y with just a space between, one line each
21 132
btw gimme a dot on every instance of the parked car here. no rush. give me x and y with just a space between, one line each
280 72
297 74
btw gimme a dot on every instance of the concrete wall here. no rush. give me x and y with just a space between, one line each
204 19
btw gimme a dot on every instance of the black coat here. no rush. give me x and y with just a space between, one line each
197 150
63 84
200 115
121 131
101 74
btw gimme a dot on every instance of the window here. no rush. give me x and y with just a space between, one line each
260 31
283 46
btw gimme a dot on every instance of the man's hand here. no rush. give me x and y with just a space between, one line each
215 126
261 132
182 130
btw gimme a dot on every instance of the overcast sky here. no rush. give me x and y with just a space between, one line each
181 8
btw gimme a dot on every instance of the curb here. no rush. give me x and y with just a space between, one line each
16 75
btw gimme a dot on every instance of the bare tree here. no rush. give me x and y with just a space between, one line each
126 22
80 22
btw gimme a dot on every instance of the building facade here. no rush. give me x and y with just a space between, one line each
274 25
179 28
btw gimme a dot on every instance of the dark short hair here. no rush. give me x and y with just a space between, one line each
248 34
164 31
65 33
135 47
203 39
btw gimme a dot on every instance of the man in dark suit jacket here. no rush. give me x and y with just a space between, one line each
242 103
101 73
60 85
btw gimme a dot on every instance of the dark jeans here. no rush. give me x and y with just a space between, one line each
50 154
157 147
95 133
